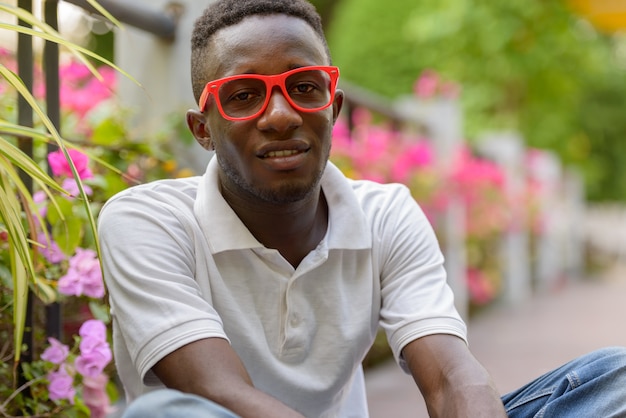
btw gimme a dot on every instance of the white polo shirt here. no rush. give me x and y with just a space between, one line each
180 266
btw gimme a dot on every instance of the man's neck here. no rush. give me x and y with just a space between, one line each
294 229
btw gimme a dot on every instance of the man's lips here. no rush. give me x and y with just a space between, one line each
283 149
281 153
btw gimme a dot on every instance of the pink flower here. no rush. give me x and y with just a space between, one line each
56 353
413 157
83 275
81 91
93 363
60 166
61 385
481 290
95 395
426 85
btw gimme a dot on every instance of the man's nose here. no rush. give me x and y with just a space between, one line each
279 114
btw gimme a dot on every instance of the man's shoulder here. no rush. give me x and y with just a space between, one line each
364 190
161 189
371 192
148 197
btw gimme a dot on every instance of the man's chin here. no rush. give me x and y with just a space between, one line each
285 194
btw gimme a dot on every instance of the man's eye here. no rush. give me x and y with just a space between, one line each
243 96
304 88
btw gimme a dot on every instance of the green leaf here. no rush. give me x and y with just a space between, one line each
59 210
44 291
56 38
114 184
99 311
108 132
68 234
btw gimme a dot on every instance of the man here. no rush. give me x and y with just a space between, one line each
257 289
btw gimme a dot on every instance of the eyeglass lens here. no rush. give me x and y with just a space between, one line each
243 97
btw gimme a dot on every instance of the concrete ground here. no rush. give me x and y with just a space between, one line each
519 343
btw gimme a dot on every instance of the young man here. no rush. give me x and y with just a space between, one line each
257 289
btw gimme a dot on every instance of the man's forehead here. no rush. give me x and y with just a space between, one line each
269 26
265 36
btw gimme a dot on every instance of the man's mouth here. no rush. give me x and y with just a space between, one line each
280 154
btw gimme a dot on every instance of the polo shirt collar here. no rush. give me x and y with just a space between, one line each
224 230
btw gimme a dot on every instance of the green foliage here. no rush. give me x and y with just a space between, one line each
369 42
532 66
603 147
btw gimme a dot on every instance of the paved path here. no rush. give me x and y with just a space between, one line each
519 343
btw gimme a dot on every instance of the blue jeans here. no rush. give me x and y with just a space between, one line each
168 403
593 385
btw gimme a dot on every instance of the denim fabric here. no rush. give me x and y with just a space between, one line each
593 385
168 403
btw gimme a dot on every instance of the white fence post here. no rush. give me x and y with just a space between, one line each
442 119
163 69
575 215
508 150
549 255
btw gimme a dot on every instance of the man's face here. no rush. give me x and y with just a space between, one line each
279 156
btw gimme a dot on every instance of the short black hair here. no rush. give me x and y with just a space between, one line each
225 13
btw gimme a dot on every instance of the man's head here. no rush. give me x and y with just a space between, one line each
270 99
225 13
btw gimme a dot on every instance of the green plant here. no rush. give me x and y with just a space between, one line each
104 158
15 197
533 67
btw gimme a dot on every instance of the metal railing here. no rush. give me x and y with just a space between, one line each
161 23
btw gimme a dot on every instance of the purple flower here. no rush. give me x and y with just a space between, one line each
60 166
56 353
92 363
93 328
70 186
83 275
61 385
70 284
50 250
95 352
95 395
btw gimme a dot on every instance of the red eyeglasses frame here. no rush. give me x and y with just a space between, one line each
271 81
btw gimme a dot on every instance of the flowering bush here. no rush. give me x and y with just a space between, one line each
87 368
69 375
381 153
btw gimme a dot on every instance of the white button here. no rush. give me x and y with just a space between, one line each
294 321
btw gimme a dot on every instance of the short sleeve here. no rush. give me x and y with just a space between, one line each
416 298
148 253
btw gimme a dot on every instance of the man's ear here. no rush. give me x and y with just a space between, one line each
196 122
337 104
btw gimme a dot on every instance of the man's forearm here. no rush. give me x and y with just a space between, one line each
210 368
466 396
453 382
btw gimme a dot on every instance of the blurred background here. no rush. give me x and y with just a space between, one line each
505 119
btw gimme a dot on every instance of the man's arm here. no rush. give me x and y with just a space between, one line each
452 381
211 368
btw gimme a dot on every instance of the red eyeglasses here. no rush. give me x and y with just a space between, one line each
246 96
